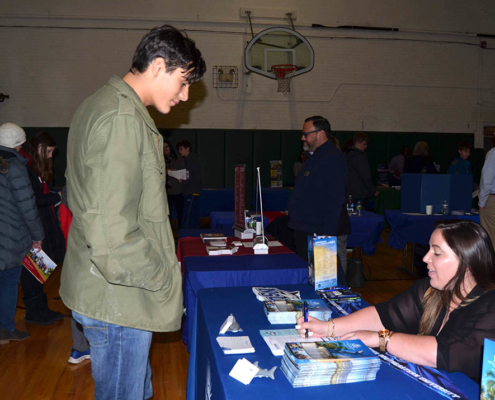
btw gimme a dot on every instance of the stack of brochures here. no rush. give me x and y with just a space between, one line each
287 311
329 363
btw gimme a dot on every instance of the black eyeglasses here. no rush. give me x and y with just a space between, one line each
305 134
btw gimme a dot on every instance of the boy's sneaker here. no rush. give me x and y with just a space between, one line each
7 336
77 357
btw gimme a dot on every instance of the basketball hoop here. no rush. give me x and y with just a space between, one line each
283 76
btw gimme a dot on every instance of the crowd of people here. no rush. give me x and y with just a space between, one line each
121 279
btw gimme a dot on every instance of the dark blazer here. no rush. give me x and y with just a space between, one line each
317 203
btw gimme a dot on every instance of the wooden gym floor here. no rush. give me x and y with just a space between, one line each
37 368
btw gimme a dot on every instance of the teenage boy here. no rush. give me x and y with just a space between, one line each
121 278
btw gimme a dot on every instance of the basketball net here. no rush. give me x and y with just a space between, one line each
283 76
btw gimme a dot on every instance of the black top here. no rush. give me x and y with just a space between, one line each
359 183
419 165
193 184
460 342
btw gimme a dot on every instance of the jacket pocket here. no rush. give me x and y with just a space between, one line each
154 197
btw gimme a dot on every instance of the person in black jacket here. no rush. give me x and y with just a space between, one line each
20 226
191 187
317 202
39 150
421 161
359 184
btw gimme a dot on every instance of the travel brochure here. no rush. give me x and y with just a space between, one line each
287 311
322 261
328 363
39 264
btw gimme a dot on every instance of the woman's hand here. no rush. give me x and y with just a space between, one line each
369 338
315 327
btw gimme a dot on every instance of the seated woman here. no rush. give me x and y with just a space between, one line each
442 320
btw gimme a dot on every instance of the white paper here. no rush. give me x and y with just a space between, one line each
277 338
244 371
235 344
248 244
179 174
274 243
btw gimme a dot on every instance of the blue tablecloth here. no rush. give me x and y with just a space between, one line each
407 228
366 231
274 199
225 220
225 271
209 367
216 200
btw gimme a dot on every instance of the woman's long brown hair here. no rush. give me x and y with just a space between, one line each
473 247
41 164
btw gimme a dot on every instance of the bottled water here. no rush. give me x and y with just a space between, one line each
350 206
445 208
359 207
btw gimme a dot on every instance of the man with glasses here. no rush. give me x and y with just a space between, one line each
317 205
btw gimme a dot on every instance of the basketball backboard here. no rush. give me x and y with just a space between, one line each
275 46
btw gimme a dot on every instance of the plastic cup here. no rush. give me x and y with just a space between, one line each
429 210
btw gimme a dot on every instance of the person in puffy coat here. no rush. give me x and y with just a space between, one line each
20 226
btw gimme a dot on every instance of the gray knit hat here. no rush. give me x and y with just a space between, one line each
11 135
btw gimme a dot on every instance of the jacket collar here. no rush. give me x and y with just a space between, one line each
119 84
15 154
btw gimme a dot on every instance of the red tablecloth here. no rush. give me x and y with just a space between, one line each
194 246
271 215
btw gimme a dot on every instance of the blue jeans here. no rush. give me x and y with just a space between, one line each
9 282
119 360
190 216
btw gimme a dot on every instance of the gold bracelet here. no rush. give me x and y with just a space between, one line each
333 329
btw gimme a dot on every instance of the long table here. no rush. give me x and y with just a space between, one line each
209 367
229 271
415 228
366 231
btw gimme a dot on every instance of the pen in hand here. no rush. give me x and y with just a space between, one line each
306 317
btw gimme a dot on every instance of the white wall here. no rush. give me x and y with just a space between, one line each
431 76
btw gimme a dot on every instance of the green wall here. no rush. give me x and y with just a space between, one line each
221 149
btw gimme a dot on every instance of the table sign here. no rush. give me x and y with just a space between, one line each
322 261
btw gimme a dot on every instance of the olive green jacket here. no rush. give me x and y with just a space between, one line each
120 265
